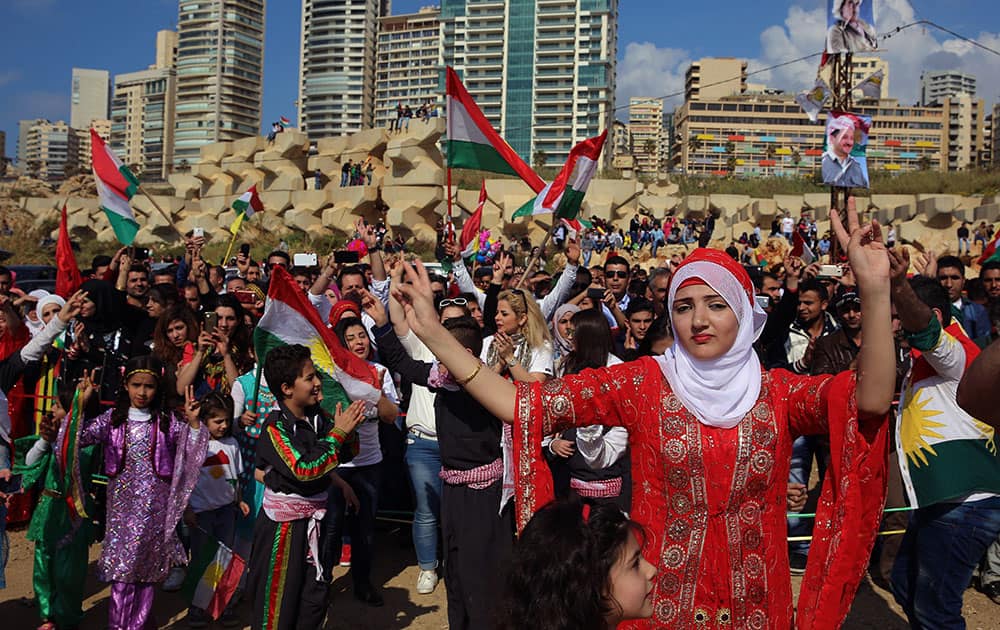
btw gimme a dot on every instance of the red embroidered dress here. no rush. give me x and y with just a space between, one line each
712 500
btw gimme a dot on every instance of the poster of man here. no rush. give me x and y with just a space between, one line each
851 26
844 161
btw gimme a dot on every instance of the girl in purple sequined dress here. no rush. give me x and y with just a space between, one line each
152 458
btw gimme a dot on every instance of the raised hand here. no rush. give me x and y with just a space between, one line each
863 244
348 419
572 252
86 386
48 428
926 264
191 407
374 307
417 299
366 233
72 307
899 265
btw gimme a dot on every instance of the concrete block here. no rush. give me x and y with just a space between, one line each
695 206
332 146
186 186
288 144
728 206
989 212
763 211
311 200
304 221
214 152
936 209
222 186
276 201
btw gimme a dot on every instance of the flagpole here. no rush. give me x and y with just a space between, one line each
541 248
167 218
449 195
229 250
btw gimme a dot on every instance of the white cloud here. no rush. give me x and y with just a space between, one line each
908 52
649 70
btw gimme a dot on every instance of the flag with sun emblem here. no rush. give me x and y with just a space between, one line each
944 453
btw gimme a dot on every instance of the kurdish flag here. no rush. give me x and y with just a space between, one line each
245 207
565 194
288 319
473 143
213 577
115 186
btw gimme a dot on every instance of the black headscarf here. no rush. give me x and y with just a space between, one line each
107 317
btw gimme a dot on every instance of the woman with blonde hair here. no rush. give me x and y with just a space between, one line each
521 349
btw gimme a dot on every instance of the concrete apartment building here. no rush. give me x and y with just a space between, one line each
769 134
21 151
84 155
863 67
542 71
937 85
50 150
966 130
645 116
143 113
337 65
715 77
407 62
90 96
220 67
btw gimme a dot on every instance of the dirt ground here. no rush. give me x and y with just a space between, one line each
396 569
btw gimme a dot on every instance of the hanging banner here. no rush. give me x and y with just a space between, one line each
845 160
811 101
872 86
850 26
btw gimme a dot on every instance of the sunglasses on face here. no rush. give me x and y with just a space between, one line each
616 274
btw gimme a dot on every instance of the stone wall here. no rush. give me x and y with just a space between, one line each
408 182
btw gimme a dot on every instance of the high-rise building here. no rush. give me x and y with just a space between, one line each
407 63
143 113
966 134
84 155
542 71
3 153
166 49
994 137
143 119
645 122
863 67
51 150
220 69
21 153
937 85
337 65
715 77
90 96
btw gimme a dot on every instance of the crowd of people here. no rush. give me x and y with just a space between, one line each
404 113
585 444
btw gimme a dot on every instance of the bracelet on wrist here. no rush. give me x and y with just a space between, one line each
465 381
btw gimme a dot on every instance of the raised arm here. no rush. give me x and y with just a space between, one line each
870 262
976 393
491 390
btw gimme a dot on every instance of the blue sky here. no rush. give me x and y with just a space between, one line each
44 39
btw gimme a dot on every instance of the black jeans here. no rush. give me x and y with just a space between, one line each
360 525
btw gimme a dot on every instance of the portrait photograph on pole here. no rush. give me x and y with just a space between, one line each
845 163
850 26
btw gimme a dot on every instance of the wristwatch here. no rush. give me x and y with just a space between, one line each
511 362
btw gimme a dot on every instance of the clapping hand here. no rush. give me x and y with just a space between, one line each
348 419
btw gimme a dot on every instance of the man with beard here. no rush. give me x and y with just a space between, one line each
839 166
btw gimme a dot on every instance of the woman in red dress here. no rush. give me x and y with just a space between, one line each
710 437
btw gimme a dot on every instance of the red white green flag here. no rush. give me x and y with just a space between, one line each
115 186
564 195
473 143
245 207
470 229
990 252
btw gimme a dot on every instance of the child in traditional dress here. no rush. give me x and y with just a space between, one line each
296 454
152 458
60 527
577 566
215 504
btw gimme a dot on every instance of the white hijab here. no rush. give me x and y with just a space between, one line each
719 392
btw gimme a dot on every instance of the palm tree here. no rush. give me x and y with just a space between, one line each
694 144
731 164
539 159
924 163
769 153
796 157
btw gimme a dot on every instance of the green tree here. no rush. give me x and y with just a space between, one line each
694 144
924 163
796 157
731 164
539 159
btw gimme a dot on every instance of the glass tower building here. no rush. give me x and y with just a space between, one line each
542 71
